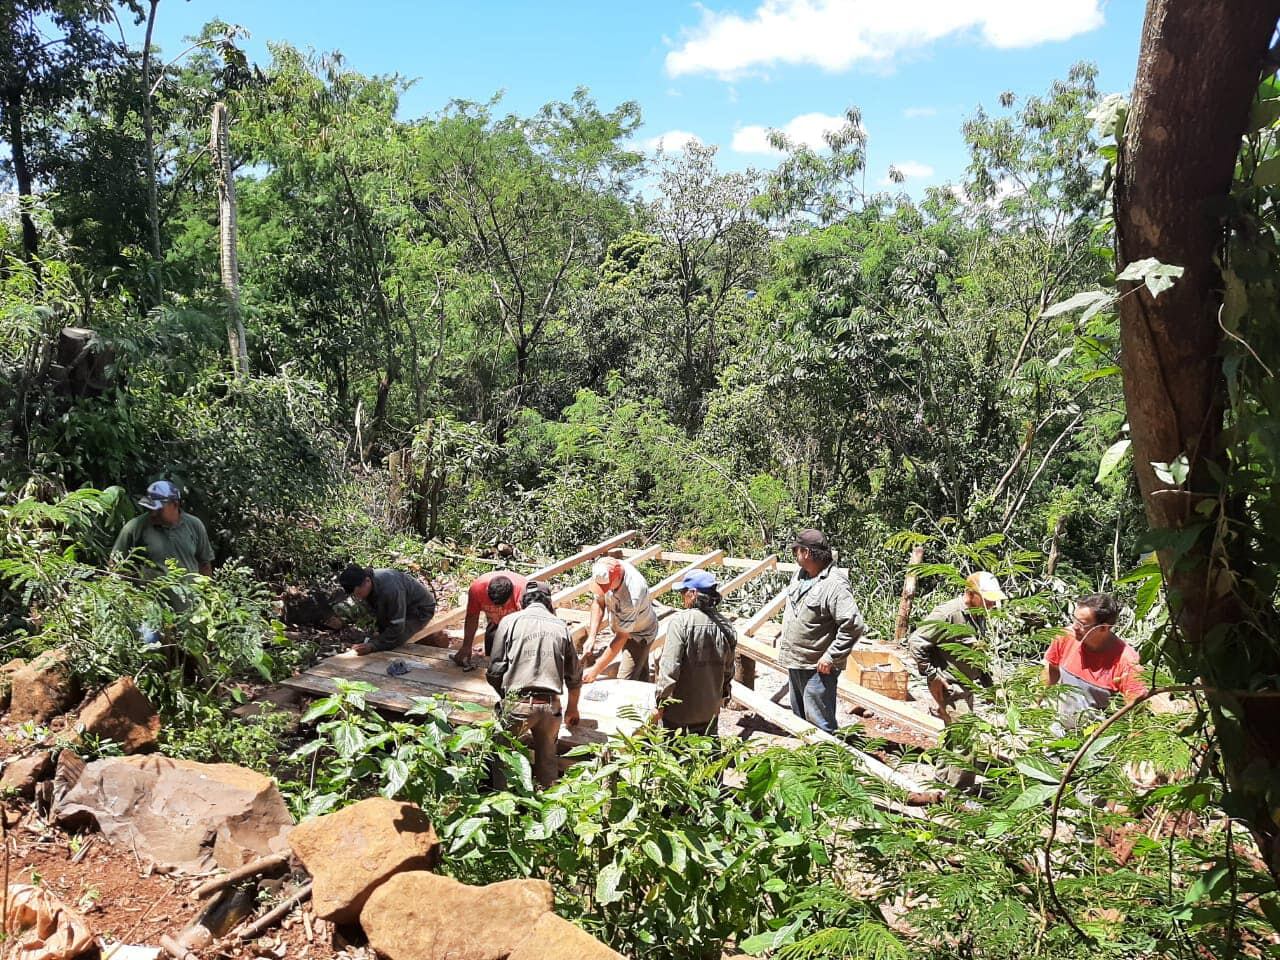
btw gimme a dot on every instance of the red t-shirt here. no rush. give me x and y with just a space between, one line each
478 595
1114 669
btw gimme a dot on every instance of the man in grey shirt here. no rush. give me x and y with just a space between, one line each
401 605
621 590
533 662
820 625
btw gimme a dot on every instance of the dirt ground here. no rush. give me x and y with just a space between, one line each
127 903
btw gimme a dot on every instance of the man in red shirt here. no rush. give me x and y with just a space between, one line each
495 595
1090 660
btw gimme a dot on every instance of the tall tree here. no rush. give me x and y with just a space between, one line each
48 52
1198 70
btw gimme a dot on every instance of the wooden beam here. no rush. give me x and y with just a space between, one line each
761 705
662 586
459 613
734 563
578 589
760 569
765 614
918 722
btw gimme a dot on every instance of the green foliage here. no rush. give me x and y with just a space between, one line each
217 628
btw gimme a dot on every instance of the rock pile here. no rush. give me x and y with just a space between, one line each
372 862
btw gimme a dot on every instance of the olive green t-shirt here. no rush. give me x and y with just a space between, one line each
187 543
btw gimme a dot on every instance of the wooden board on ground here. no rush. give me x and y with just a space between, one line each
900 713
434 675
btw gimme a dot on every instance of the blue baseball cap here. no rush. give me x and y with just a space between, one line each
697 580
160 493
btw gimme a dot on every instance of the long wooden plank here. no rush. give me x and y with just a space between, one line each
734 563
751 573
761 705
917 721
705 560
459 613
765 614
578 589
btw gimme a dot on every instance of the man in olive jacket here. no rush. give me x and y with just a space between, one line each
697 660
820 625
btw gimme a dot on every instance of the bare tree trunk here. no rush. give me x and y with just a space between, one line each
1051 566
22 173
1199 67
903 621
148 135
221 150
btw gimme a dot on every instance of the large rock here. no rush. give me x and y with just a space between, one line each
6 680
21 774
43 688
350 852
554 939
122 713
181 815
424 916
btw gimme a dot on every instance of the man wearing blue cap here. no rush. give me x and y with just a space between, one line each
166 532
697 661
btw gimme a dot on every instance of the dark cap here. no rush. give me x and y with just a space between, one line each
537 591
810 538
353 576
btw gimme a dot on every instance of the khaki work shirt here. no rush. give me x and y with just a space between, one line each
533 651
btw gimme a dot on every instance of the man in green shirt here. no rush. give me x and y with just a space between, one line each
166 532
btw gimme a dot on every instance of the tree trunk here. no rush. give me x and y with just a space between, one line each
148 135
1199 67
22 173
903 621
220 147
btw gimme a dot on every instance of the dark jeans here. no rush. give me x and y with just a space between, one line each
813 697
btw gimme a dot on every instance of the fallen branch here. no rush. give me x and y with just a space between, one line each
253 869
274 916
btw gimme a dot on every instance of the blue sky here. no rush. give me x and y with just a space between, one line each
722 71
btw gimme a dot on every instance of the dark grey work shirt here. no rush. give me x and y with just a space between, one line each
533 651
397 598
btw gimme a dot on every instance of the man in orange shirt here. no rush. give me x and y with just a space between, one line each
496 595
1090 660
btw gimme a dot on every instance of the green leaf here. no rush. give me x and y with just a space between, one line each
1267 173
775 885
1264 114
1156 275
348 739
1034 796
323 707
1175 473
653 852
395 774
1087 298
1038 769
608 882
1111 459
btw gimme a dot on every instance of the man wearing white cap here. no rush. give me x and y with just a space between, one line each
958 621
166 532
621 590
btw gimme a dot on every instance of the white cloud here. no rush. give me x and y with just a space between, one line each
836 34
913 113
910 170
673 141
807 129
